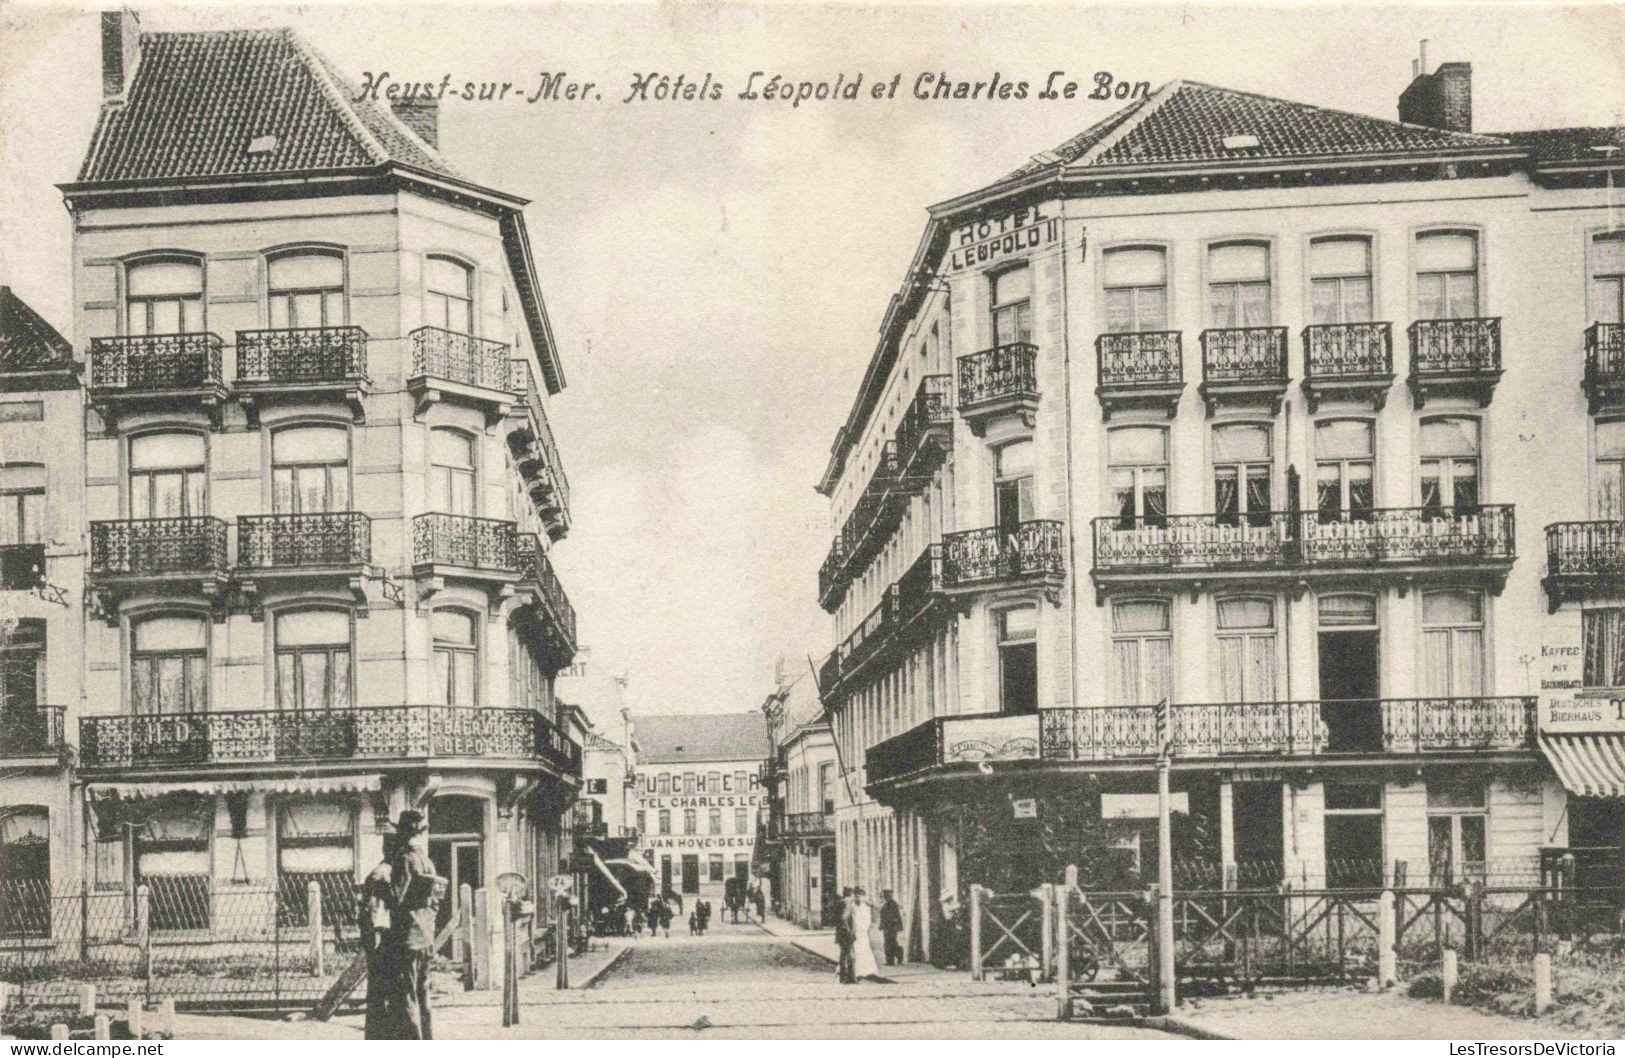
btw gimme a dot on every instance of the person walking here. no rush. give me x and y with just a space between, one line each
397 919
843 938
891 924
863 949
665 920
655 906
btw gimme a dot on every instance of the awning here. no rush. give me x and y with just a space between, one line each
136 791
1587 765
607 873
636 864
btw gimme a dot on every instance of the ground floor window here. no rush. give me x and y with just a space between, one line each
25 872
1458 821
315 842
714 867
1354 835
742 865
171 850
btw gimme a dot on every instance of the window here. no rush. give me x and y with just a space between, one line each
1447 275
739 821
1246 650
1610 471
169 667
306 289
665 821
25 869
168 476
1457 825
22 504
315 842
642 818
826 787
1136 281
163 296
715 820
1354 856
456 657
1242 474
1344 461
665 783
1453 644
1013 484
1602 633
448 297
741 782
451 472
689 783
1340 280
1450 465
713 782
310 470
1012 307
690 821
715 866
1018 661
1608 277
22 671
1142 651
1238 285
1138 471
313 660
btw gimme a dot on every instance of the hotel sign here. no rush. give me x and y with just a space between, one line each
1560 667
1008 235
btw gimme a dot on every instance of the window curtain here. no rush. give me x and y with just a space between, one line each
1604 647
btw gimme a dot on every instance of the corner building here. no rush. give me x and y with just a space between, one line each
1233 402
320 484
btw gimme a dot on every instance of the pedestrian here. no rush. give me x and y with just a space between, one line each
655 904
694 923
629 920
843 938
891 924
863 950
665 920
703 908
397 920
761 904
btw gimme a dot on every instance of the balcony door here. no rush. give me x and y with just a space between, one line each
169 665
1609 472
1013 485
313 660
1452 644
1350 673
310 470
1243 470
1447 276
1136 289
1012 307
448 297
163 296
1138 473
1142 652
168 476
1018 661
22 672
1340 280
306 289
1238 292
451 472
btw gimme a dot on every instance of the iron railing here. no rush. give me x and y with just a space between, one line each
1455 347
283 736
156 362
455 357
901 603
1585 549
832 579
1193 541
463 540
914 750
32 731
1244 355
829 674
22 566
1347 350
1605 356
809 825
1140 358
1000 553
296 355
931 409
154 546
535 568
1410 534
522 380
1003 372
279 541
922 584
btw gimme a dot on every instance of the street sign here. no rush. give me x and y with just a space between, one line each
560 884
1025 807
510 883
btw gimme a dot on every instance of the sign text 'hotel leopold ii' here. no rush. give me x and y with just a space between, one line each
987 241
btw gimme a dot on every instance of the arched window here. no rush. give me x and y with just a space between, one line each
1142 652
313 660
1608 278
169 665
306 288
1453 644
1238 284
456 657
310 470
1450 472
1446 275
1247 650
1138 471
25 869
1340 279
1345 454
1242 473
1012 296
168 476
163 295
448 295
451 471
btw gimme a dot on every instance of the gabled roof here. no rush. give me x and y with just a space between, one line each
198 101
695 739
27 342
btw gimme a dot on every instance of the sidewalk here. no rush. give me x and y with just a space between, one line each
821 942
1343 1014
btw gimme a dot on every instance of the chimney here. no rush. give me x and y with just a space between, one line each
121 51
1439 100
422 116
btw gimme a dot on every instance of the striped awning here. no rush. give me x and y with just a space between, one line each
135 791
1587 765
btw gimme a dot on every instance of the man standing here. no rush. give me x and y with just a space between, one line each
844 938
398 902
891 924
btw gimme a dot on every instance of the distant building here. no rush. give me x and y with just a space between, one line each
698 794
608 759
800 777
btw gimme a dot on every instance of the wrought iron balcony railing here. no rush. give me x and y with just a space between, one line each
158 546
832 578
921 585
454 357
829 674
408 732
809 825
914 750
1585 549
294 541
900 606
523 382
32 731
931 411
1193 541
1456 347
1605 365
302 355
1411 534
1244 356
1139 358
155 363
22 566
535 568
1334 351
1005 372
463 540
963 739
1297 728
1004 553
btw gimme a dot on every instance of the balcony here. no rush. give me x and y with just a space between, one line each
551 604
296 548
1455 358
465 548
22 566
907 614
1139 369
997 382
536 453
156 371
302 363
36 732
447 365
829 676
1206 547
832 578
876 513
1605 368
408 734
1025 554
1583 559
953 740
1348 361
925 433
809 825
173 555
1243 367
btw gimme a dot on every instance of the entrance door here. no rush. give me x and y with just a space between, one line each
1259 842
826 885
1349 687
691 873
459 862
665 874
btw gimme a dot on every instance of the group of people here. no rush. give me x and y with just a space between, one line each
853 921
699 920
396 916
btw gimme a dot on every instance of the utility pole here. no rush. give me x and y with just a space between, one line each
1165 867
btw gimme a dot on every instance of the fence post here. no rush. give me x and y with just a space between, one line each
1387 953
87 1000
975 932
104 1027
1063 945
481 942
166 1014
143 932
1046 896
1447 974
1475 921
313 901
134 1014
1543 983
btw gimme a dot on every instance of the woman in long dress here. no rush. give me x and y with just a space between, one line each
864 966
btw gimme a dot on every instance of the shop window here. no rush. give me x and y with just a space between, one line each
25 871
172 860
715 866
315 843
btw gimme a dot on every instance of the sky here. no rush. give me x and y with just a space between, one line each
716 270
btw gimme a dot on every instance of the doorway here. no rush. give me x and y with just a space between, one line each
456 848
1350 673
665 874
1259 837
691 873
824 882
